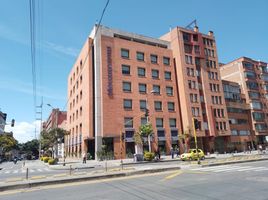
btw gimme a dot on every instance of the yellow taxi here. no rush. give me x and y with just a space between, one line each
192 155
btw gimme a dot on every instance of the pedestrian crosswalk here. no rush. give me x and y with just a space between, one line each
23 171
231 168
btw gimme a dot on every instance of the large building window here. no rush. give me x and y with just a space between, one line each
156 89
124 53
154 59
168 75
171 106
166 61
159 123
127 104
158 106
155 74
143 120
126 86
140 56
142 88
143 104
169 91
141 72
128 122
172 123
126 69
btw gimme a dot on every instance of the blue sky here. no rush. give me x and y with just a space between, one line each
240 28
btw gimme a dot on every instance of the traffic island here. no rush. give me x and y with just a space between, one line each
71 179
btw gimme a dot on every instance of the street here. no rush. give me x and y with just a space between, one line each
36 168
237 181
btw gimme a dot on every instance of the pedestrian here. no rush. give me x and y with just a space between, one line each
260 148
159 154
172 152
249 148
178 151
84 158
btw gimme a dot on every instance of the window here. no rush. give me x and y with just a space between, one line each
192 84
153 59
126 69
126 86
169 91
128 121
172 123
166 61
159 123
252 85
188 59
81 94
251 75
167 75
142 88
143 120
127 104
140 56
195 111
188 48
81 79
143 104
81 111
258 116
155 74
156 89
171 106
124 53
256 105
190 71
186 37
193 98
141 72
196 49
158 105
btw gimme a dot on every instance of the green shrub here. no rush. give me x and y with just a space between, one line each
45 159
52 161
149 156
42 158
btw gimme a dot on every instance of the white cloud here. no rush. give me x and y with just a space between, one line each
24 131
61 49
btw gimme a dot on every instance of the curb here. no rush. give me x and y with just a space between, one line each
73 168
81 179
233 162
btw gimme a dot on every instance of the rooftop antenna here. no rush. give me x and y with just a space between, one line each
190 26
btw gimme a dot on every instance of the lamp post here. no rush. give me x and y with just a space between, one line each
147 119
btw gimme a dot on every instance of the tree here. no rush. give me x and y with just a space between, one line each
145 130
30 148
7 143
50 139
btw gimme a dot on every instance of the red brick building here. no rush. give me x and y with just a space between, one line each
252 76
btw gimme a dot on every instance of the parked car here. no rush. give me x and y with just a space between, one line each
192 155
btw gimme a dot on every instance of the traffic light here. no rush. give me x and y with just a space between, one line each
196 124
146 112
12 122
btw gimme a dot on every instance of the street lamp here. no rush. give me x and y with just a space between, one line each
147 118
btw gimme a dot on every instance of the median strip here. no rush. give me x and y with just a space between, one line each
37 177
13 180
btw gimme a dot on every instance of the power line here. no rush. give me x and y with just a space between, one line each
33 51
90 47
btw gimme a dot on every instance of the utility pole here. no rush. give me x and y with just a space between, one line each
41 115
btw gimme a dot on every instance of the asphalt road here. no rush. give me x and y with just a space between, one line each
240 181
35 168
